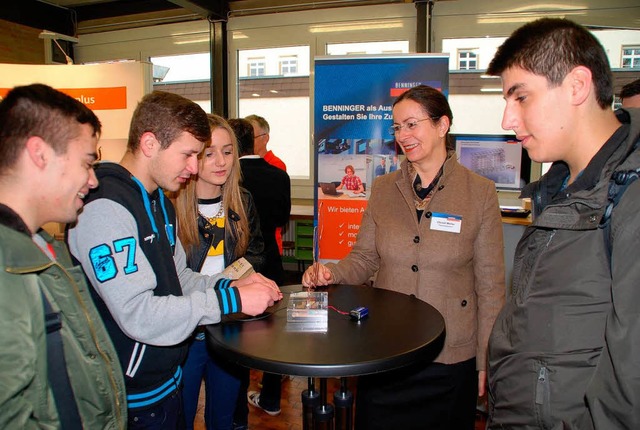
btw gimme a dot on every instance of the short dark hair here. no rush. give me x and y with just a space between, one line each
433 103
631 89
39 110
168 115
244 133
552 47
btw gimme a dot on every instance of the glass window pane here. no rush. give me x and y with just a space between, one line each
187 75
274 83
190 67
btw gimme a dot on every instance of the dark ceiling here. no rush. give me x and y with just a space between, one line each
75 17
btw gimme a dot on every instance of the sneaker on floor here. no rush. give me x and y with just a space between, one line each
253 397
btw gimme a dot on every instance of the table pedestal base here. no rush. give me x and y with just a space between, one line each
310 400
343 402
325 416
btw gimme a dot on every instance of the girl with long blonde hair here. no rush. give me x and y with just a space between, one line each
218 223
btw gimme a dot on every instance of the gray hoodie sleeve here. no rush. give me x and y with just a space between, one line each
155 320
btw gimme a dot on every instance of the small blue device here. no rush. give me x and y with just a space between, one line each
358 313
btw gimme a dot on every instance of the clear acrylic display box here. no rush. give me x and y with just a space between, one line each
308 311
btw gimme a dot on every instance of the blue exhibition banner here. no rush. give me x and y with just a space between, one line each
353 100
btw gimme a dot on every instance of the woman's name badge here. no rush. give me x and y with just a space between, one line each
446 222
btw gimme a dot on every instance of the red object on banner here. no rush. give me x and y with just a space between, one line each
340 223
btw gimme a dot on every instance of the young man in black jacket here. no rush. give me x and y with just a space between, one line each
564 350
126 241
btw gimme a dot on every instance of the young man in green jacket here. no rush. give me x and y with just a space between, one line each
47 151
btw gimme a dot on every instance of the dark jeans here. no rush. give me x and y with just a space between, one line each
222 385
166 415
241 415
433 396
270 393
269 396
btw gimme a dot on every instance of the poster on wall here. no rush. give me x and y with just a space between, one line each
112 91
353 100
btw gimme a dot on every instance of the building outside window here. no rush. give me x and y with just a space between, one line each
631 57
359 48
288 66
257 67
467 59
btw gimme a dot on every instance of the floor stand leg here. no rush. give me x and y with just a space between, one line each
323 414
310 401
343 402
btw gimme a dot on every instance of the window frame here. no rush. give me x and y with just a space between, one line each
469 52
288 61
256 64
635 57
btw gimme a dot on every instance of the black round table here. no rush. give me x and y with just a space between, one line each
400 330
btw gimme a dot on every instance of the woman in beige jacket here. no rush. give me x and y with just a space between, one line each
457 266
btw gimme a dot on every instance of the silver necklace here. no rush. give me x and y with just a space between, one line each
216 216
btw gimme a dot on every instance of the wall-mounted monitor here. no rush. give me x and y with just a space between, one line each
498 157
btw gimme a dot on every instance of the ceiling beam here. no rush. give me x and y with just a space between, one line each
40 15
213 10
256 7
121 8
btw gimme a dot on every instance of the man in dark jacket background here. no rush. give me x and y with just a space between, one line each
271 191
564 350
